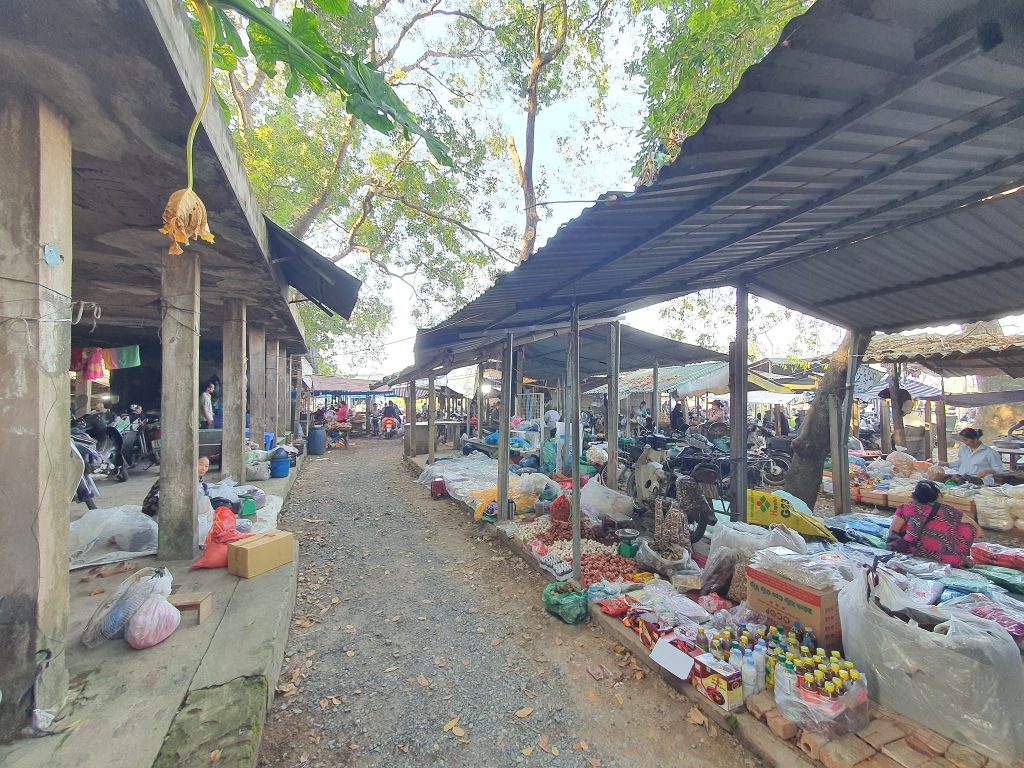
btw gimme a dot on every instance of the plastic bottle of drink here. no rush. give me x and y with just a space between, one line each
749 673
782 677
809 639
736 656
760 654
702 640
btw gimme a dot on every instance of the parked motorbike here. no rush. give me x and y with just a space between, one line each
85 489
107 443
375 425
141 440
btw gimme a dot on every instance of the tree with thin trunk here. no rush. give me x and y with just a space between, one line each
812 444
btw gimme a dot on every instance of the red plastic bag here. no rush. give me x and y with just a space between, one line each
438 489
223 532
560 509
153 623
987 553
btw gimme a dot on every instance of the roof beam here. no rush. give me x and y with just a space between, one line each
924 72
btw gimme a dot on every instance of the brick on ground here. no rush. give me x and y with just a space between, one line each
880 732
904 754
964 757
845 752
780 726
811 743
928 742
879 761
760 704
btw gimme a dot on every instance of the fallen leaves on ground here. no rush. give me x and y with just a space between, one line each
524 712
215 756
324 703
495 642
451 724
97 591
528 751
581 746
618 698
459 732
423 681
594 762
350 654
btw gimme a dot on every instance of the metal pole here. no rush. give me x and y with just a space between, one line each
656 397
841 469
940 422
612 426
480 402
431 420
739 410
574 382
504 425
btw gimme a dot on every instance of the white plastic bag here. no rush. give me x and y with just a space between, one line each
747 539
152 623
257 470
125 526
849 713
964 679
649 560
603 500
113 614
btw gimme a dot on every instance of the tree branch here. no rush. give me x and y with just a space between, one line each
322 198
406 28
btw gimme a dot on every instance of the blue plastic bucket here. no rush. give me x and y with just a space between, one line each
280 467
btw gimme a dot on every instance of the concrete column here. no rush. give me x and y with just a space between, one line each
410 420
179 404
83 394
233 384
738 414
431 420
257 384
577 443
611 428
504 426
35 401
283 393
273 354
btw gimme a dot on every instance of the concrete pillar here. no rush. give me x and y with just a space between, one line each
431 420
83 394
273 354
611 427
257 384
296 369
233 384
35 401
179 404
575 423
283 393
410 420
738 416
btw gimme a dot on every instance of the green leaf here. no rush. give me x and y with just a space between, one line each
333 6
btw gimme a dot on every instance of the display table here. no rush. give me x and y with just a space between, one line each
421 446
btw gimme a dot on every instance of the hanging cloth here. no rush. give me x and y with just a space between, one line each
77 359
121 357
94 363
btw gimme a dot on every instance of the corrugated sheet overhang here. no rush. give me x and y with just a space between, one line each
845 177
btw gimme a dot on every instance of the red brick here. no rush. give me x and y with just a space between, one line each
781 727
811 743
904 754
845 752
964 757
880 732
760 704
879 761
928 742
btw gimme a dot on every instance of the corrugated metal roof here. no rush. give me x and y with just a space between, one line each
975 352
845 177
687 380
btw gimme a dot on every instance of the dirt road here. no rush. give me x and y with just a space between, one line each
417 640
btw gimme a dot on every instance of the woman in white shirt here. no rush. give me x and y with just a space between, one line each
977 459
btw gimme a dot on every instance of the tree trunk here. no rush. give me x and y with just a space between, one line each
812 444
325 195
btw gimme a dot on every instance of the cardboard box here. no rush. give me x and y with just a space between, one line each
718 682
785 601
260 553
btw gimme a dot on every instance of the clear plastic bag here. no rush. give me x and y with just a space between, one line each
649 560
125 526
113 614
152 623
603 500
849 713
964 679
748 539
717 574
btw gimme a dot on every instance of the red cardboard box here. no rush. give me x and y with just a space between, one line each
720 683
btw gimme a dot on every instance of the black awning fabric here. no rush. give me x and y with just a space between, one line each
324 283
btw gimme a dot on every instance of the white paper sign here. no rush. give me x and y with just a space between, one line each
678 662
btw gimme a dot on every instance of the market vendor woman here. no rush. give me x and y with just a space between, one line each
927 528
976 459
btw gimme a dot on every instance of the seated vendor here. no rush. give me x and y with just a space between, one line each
977 460
151 504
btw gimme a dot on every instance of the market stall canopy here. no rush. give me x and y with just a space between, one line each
980 399
917 389
319 279
687 380
978 351
343 385
856 174
546 353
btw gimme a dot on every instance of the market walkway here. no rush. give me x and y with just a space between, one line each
408 618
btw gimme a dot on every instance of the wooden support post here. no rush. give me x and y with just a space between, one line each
297 399
431 420
899 435
841 469
738 441
257 384
885 427
612 425
179 406
410 420
35 399
481 370
233 386
656 394
83 394
576 441
504 425
283 393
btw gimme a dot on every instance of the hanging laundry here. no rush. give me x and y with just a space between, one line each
121 357
94 365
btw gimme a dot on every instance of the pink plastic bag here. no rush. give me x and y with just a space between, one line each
153 623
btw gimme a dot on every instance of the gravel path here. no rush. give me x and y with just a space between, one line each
417 640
